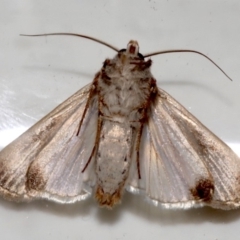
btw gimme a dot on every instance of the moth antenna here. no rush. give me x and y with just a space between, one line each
73 34
186 50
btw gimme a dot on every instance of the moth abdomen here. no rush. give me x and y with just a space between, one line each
113 161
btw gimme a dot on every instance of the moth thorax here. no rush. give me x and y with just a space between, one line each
133 48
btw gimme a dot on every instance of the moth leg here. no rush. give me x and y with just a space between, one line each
91 94
139 134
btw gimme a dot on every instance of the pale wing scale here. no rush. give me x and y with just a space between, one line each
61 162
163 171
222 163
133 183
174 167
177 152
17 157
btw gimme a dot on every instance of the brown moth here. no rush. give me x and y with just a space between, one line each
121 132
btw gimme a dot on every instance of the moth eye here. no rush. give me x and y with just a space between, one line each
122 50
140 56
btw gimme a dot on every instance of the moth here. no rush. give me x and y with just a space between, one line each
121 132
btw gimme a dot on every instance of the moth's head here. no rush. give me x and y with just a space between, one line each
132 50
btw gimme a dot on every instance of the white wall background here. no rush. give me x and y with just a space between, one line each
36 74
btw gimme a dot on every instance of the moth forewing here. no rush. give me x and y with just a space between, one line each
187 165
40 163
122 132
